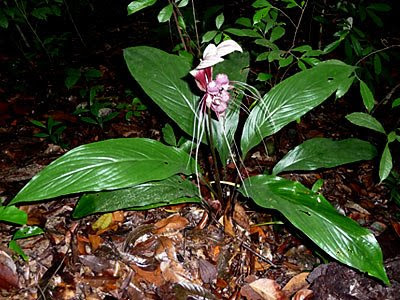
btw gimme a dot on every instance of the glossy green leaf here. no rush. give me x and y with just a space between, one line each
18 250
208 36
243 32
324 153
277 33
339 236
377 64
72 77
344 87
137 5
383 7
386 163
165 14
261 3
106 165
365 120
165 79
26 232
291 99
219 20
367 96
147 194
169 135
13 215
396 102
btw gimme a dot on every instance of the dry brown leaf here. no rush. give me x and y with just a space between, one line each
396 227
228 226
257 230
153 277
247 292
118 216
240 217
107 283
304 294
268 289
208 271
95 241
174 222
82 241
8 272
296 283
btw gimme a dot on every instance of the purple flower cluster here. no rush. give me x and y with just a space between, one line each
217 96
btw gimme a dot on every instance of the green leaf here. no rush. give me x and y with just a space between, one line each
161 76
260 3
13 215
26 232
383 7
267 43
38 123
366 120
303 48
367 96
317 185
377 20
150 193
377 64
72 78
386 163
3 20
92 74
137 5
183 3
339 236
291 99
219 20
169 135
243 32
285 61
18 250
324 153
356 45
277 33
165 14
344 87
396 102
263 76
208 36
246 22
106 165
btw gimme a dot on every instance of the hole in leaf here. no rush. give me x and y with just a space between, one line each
306 213
165 163
330 79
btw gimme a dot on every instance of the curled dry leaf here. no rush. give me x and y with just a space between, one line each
304 294
95 241
208 271
296 283
174 222
8 272
268 289
240 217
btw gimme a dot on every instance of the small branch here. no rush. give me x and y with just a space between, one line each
386 98
214 156
73 23
298 24
195 29
374 52
177 26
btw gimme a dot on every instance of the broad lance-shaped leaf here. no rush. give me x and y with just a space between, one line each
13 215
165 79
324 153
365 120
151 194
292 98
339 236
137 5
386 163
106 165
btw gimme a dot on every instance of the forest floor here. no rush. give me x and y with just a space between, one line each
170 252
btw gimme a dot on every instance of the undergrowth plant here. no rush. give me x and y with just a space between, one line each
205 102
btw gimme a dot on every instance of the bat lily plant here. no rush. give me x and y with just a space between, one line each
140 173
